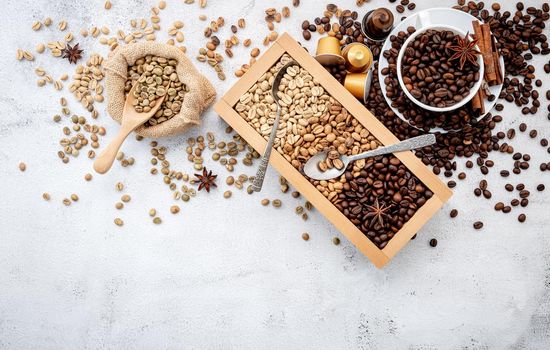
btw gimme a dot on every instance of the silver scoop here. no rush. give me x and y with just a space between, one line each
264 161
311 168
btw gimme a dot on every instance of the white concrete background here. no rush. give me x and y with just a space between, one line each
233 274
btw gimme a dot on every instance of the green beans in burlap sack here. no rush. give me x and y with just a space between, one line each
185 107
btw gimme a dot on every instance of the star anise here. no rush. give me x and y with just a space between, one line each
464 50
206 180
376 213
73 54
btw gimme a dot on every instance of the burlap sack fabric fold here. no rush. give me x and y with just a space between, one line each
201 92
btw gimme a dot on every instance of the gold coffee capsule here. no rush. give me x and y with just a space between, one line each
358 57
359 84
355 83
328 51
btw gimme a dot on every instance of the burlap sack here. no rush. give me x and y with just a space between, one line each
201 92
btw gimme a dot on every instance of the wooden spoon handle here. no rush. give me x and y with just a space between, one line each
105 160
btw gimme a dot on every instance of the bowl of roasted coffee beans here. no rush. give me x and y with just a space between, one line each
440 68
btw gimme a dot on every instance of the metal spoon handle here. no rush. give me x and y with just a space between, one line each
406 145
264 161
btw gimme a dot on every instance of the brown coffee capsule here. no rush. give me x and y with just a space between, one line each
358 57
377 24
328 51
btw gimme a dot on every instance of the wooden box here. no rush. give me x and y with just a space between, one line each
285 44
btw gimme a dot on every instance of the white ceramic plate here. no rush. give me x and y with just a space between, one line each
445 16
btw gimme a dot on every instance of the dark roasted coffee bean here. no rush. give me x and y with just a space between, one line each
506 209
524 193
520 187
451 184
483 184
514 202
411 6
478 225
524 202
499 206
522 217
400 8
477 192
461 176
487 194
504 173
509 187
453 213
540 187
522 127
306 34
433 242
533 134
520 6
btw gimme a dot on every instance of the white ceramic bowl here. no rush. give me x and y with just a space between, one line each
459 104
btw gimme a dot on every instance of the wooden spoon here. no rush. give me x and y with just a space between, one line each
130 121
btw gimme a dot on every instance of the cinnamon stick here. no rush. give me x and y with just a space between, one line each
498 68
478 102
478 34
488 61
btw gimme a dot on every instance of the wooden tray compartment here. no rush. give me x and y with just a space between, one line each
380 257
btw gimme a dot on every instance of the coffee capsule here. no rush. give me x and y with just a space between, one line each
377 24
359 84
358 57
328 51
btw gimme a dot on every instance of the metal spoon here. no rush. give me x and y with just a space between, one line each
311 168
264 161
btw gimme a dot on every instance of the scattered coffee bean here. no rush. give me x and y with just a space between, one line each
478 225
305 236
453 213
522 217
433 242
540 187
336 241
